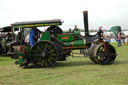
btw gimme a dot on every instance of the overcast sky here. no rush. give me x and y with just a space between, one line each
106 13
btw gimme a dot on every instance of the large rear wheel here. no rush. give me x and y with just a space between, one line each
48 53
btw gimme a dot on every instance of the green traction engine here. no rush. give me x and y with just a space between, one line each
55 45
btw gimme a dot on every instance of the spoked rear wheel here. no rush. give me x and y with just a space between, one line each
48 53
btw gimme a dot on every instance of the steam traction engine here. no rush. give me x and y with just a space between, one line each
54 45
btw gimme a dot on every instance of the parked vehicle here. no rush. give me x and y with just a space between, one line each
6 39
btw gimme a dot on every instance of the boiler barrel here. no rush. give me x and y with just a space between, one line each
76 43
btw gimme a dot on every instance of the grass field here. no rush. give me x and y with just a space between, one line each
75 71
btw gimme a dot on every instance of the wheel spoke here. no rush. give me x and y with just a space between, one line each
39 48
51 51
101 58
51 58
46 45
42 62
46 63
53 54
50 62
102 49
49 47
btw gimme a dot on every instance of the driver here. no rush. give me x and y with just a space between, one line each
33 36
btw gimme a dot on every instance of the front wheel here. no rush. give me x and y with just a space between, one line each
100 57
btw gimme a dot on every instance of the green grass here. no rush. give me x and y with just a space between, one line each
75 71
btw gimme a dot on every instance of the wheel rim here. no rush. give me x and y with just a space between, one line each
91 56
48 53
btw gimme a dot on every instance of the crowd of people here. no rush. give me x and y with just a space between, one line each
120 38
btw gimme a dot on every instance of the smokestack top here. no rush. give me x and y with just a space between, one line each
85 11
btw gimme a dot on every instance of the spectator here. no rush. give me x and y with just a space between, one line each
123 39
70 31
100 33
76 28
119 39
127 40
76 31
105 37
